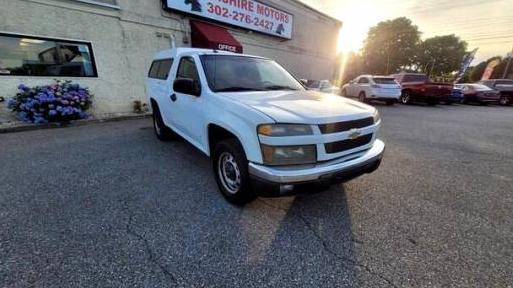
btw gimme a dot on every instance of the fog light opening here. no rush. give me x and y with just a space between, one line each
286 188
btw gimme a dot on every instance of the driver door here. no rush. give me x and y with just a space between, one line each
187 108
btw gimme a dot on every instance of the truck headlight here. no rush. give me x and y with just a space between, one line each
280 130
376 116
289 155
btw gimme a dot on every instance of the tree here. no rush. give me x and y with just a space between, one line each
354 66
441 54
391 45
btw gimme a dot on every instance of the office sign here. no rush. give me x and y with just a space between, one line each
248 14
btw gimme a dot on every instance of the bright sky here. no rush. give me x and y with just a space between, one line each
484 24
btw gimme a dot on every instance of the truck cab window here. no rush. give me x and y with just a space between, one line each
187 69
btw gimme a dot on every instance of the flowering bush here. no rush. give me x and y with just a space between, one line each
59 102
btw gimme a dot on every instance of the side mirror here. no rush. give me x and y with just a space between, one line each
187 86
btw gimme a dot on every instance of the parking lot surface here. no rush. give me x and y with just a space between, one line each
108 205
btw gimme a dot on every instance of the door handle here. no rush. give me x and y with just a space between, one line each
173 97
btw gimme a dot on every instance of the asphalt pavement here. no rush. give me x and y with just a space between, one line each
108 205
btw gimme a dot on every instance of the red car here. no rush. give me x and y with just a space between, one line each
478 93
418 87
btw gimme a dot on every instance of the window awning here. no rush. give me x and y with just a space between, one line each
209 36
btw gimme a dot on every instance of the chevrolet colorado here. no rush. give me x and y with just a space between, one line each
259 125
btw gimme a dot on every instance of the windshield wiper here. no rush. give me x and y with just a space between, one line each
279 87
236 89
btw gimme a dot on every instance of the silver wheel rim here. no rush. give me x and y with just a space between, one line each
504 101
405 98
362 97
229 173
158 129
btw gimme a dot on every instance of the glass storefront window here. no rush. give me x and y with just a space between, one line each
32 56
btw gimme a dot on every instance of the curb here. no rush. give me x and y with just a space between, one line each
29 127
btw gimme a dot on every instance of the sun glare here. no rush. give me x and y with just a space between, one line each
357 18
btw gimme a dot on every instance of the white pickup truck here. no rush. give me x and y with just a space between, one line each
263 130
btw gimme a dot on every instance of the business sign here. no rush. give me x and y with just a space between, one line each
248 14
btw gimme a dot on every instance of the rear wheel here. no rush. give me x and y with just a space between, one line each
362 97
504 100
162 132
231 171
405 98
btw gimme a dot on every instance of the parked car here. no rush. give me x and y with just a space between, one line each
417 87
457 94
259 125
368 88
478 93
323 86
504 86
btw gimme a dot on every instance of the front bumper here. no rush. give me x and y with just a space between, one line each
331 170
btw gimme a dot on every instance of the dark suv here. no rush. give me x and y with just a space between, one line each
504 86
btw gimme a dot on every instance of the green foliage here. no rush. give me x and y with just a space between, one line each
391 45
440 55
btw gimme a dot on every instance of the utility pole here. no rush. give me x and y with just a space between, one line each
505 74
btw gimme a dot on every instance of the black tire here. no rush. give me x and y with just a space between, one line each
504 101
448 102
390 102
405 98
232 178
162 132
362 97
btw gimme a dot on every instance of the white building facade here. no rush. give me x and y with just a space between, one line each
107 45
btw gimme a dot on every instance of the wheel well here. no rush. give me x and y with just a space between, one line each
217 134
153 104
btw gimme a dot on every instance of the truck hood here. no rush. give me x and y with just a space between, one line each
307 107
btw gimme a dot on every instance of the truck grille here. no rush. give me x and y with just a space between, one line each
346 125
340 146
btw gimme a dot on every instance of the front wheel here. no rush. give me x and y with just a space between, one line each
231 171
504 101
405 98
362 97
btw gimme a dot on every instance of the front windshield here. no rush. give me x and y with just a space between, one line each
228 73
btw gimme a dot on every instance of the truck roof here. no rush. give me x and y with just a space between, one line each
173 52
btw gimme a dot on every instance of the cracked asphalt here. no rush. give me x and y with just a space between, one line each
108 205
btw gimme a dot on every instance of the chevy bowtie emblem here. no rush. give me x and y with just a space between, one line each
354 134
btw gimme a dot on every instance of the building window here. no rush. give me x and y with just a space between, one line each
33 56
